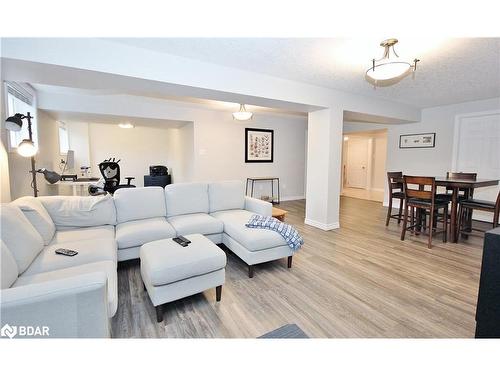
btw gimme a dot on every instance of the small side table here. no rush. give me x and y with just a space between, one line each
279 214
252 180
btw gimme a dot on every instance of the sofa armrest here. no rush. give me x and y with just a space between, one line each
258 206
70 307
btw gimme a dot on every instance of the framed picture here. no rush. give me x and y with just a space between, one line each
424 140
259 145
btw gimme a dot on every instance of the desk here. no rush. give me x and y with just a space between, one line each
252 180
455 185
75 185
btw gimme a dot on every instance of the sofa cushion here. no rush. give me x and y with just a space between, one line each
166 262
8 267
226 195
89 251
139 203
107 267
196 223
253 239
38 216
88 233
186 198
75 211
21 238
138 232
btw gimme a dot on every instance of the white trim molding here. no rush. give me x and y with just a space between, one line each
322 226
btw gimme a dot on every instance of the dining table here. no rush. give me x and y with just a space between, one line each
455 185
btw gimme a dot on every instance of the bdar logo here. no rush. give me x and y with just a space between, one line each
8 331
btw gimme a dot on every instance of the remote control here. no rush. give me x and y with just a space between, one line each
67 252
184 239
179 241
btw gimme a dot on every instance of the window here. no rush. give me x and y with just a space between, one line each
19 100
63 140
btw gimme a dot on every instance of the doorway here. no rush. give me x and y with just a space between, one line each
363 165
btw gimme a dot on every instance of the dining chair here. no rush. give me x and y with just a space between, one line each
420 195
466 193
395 192
468 206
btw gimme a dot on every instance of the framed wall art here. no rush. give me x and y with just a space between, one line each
423 140
259 145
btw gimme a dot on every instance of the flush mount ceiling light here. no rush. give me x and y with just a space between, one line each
389 70
242 114
126 126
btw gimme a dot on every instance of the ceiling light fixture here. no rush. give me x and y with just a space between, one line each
126 126
242 114
389 70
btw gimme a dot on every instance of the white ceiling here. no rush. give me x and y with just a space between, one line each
451 70
95 118
217 105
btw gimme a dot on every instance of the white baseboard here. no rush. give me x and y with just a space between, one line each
322 226
293 198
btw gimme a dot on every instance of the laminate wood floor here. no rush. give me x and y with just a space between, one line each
357 281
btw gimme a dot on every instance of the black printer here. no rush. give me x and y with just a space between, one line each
158 176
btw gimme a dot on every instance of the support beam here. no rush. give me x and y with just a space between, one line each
324 155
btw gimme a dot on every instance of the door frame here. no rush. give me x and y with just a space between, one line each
369 151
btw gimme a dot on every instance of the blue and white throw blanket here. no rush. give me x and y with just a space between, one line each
289 233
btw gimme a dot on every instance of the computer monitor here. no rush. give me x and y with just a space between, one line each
68 164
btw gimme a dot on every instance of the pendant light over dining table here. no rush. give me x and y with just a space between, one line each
389 70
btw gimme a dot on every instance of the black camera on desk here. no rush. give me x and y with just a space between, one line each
158 176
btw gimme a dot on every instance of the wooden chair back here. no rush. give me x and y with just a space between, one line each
461 176
420 187
392 183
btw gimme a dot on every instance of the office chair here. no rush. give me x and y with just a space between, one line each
110 170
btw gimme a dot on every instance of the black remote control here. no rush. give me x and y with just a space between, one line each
184 239
67 252
179 241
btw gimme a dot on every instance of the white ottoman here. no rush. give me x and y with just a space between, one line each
170 271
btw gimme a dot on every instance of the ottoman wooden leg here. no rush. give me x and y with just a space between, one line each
159 313
289 265
250 271
218 293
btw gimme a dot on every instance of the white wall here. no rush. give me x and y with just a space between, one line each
432 161
138 148
4 161
220 152
182 164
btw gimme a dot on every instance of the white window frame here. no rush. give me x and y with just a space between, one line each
29 93
65 128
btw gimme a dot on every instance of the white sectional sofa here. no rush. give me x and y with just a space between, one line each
76 296
73 296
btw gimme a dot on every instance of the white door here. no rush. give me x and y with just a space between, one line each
478 150
357 162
